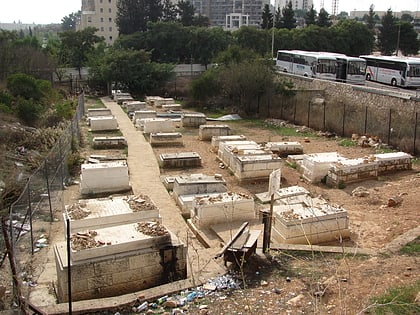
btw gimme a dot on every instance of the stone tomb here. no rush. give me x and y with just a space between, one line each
165 138
186 187
222 208
118 260
251 167
215 140
193 120
284 148
301 219
315 166
132 106
228 149
351 170
107 177
154 125
206 132
103 123
171 107
179 160
109 142
158 101
393 161
93 112
106 212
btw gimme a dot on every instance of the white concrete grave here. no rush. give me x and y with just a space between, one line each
194 120
215 140
104 178
301 219
171 107
223 208
103 123
154 125
165 138
109 142
315 166
284 148
92 112
206 132
132 106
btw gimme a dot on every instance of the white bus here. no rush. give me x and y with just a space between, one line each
307 63
397 71
350 69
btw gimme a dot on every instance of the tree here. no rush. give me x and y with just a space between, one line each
288 19
370 19
408 41
324 19
246 83
406 18
169 11
267 18
69 22
133 15
277 18
388 34
131 70
76 46
310 16
352 38
186 12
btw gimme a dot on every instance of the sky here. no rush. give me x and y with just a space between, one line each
52 11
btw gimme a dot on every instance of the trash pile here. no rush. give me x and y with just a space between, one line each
185 301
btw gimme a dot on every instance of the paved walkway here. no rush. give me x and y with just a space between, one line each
144 178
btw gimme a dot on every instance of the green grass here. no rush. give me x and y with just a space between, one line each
398 301
412 248
98 103
347 143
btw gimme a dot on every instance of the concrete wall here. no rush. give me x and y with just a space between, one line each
346 109
120 274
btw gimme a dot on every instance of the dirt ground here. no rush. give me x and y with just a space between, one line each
313 282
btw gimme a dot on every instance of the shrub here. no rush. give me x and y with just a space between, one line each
28 111
24 85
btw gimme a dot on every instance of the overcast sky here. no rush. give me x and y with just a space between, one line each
52 11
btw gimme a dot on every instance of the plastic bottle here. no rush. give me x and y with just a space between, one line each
191 296
143 306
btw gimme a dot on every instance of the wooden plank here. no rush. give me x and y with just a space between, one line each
240 242
325 249
237 234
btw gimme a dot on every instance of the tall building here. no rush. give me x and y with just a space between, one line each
231 14
100 14
304 5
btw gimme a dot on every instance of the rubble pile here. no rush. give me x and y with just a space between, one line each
152 228
78 211
140 203
85 240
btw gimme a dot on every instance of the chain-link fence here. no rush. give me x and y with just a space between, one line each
41 201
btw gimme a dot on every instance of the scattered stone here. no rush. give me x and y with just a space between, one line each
296 301
360 192
170 304
263 283
394 201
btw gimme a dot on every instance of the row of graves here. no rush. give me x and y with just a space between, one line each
116 242
337 171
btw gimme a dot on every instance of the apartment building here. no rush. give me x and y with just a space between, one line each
100 14
231 14
304 5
